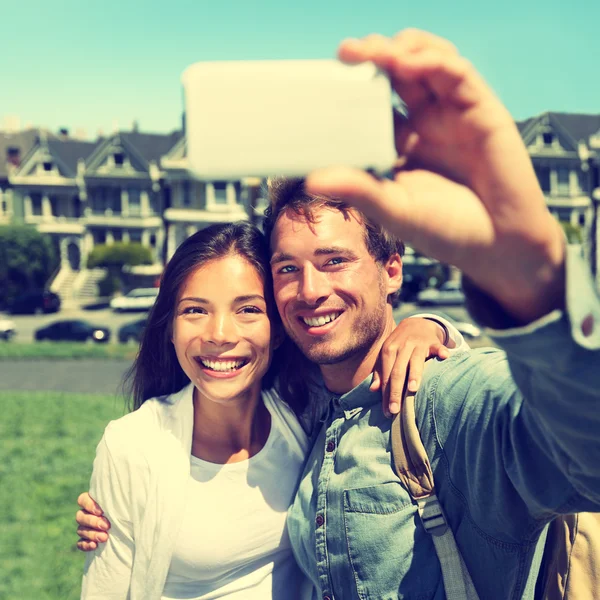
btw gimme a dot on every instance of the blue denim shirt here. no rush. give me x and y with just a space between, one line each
513 438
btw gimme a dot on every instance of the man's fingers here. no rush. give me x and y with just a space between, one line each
415 368
86 502
84 519
87 533
376 383
396 381
86 546
439 351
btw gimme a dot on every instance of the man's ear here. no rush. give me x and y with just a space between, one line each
393 270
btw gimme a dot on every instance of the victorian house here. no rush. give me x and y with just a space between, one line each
565 151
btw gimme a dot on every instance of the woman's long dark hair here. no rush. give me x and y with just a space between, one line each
156 370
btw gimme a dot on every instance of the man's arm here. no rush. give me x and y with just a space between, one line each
465 191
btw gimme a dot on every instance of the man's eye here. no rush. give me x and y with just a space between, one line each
287 269
338 260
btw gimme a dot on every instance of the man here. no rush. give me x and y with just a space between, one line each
513 438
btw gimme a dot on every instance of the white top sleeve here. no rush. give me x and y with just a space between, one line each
459 342
107 572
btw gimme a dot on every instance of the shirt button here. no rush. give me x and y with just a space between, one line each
330 446
587 326
319 520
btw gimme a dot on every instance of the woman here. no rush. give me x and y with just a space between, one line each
197 480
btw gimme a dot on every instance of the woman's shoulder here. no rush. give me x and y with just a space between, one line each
141 427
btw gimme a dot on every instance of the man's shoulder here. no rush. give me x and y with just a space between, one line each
462 369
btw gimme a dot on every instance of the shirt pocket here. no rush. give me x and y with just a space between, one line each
391 555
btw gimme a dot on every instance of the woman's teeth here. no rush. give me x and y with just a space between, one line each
222 365
322 320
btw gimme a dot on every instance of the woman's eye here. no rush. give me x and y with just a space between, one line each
254 310
193 310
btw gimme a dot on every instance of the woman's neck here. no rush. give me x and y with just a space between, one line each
233 432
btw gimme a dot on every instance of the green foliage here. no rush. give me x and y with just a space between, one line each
109 284
64 350
573 232
119 254
27 260
46 455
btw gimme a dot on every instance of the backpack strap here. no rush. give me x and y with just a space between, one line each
414 470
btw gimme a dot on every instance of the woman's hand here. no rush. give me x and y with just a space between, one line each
403 356
92 525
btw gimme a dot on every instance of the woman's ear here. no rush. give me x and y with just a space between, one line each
277 336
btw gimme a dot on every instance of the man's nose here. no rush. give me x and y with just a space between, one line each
314 286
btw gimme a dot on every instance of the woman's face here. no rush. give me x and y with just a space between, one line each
221 331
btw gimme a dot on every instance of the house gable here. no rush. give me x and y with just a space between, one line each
116 157
546 136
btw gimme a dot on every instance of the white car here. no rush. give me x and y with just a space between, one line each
136 299
449 292
7 329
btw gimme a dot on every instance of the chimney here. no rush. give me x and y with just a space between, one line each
13 156
135 126
63 133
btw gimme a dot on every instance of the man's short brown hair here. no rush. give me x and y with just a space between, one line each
289 194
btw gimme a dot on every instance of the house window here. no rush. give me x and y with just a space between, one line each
119 159
135 205
114 200
98 201
47 166
220 188
36 205
153 240
543 175
135 235
562 175
117 235
186 196
54 206
582 219
99 236
548 138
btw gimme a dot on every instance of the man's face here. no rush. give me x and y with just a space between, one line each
330 292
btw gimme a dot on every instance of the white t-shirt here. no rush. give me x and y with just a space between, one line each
233 542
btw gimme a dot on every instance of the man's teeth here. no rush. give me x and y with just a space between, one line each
322 320
223 365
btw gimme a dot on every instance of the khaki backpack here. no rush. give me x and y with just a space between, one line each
571 562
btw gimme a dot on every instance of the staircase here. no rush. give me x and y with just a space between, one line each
86 285
63 286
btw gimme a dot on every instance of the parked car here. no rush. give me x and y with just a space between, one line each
75 330
449 292
7 329
41 301
132 332
136 299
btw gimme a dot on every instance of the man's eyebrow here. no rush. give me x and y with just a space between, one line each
333 250
326 251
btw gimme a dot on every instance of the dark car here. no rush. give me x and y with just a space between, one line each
42 301
74 331
132 332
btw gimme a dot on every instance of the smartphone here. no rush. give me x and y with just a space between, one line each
286 117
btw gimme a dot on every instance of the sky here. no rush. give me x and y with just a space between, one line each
98 66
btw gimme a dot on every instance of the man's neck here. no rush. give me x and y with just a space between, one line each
342 377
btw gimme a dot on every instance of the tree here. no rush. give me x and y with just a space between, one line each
27 261
113 258
573 232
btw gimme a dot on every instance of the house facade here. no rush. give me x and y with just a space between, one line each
565 151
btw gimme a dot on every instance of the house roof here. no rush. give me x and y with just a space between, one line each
152 146
576 126
70 151
23 140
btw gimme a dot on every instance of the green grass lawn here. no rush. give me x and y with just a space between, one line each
47 447
66 350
